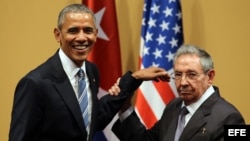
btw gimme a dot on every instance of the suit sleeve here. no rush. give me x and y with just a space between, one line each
128 133
110 105
27 111
131 129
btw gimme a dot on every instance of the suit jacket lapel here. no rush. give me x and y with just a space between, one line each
66 91
169 122
94 86
93 79
172 127
198 120
193 126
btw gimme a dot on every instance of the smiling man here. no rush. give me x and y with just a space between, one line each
57 101
76 33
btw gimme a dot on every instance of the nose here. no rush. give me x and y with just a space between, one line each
183 80
81 36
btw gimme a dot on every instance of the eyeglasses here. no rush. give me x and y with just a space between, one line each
188 76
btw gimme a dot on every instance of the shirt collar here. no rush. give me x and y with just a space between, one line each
69 66
194 106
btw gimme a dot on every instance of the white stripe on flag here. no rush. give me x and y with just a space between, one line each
153 98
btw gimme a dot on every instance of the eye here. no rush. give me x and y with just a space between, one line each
73 30
89 30
177 74
191 75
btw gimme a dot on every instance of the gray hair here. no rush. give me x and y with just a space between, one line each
205 59
73 8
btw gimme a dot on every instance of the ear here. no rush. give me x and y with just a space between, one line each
211 75
57 34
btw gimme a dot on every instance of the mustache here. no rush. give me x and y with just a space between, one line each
184 90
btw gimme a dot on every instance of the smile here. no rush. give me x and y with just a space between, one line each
80 47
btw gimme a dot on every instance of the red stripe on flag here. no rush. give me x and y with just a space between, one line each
164 91
143 108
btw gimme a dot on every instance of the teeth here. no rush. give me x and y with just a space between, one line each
81 47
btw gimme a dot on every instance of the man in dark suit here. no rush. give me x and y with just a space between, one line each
207 112
46 106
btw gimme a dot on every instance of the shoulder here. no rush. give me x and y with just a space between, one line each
220 103
225 106
90 64
221 109
47 69
91 68
173 104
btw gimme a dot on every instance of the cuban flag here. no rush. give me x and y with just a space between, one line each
106 52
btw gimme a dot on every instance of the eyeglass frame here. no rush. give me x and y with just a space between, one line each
188 76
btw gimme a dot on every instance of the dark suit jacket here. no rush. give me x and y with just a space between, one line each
46 109
207 123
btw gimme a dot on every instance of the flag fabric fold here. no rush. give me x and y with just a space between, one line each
161 36
106 52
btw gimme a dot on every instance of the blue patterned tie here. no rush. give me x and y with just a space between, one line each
83 97
181 123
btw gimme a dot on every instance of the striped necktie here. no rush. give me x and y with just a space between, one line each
83 97
181 123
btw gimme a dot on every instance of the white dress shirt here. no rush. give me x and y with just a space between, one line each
71 70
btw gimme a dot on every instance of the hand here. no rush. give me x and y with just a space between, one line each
152 73
115 89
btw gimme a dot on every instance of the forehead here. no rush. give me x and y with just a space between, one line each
188 62
79 18
78 15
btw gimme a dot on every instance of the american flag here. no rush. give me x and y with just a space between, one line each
161 35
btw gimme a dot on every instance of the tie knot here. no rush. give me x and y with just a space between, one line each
80 73
184 111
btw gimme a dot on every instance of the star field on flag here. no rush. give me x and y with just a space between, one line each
162 32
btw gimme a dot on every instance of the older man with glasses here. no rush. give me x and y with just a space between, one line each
198 114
